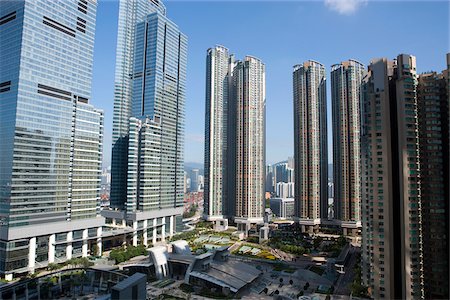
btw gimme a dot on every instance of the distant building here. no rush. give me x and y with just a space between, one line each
194 180
310 141
285 190
270 179
282 207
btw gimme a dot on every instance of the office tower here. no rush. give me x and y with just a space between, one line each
433 107
310 141
51 137
391 204
346 79
269 179
219 66
156 130
130 13
247 153
194 180
281 172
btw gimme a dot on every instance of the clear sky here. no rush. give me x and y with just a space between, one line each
282 34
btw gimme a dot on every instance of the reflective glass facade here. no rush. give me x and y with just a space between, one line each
51 136
51 149
159 84
130 13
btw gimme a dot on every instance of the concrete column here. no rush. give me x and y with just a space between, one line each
99 241
144 233
171 226
344 231
163 229
113 222
9 277
69 245
84 248
154 231
32 254
135 233
124 223
51 248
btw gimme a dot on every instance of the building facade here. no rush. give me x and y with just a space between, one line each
155 156
346 79
51 153
283 207
130 13
391 208
310 141
247 122
219 69
433 107
285 190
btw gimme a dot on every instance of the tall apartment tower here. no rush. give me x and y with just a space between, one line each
247 153
130 13
310 142
234 137
51 137
433 106
391 206
346 79
219 68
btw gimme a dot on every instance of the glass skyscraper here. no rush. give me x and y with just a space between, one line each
148 126
131 12
50 157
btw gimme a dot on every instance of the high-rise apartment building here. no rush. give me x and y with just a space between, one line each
310 141
247 120
155 171
219 68
51 137
433 107
130 13
391 207
234 137
346 79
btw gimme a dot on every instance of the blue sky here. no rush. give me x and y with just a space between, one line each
282 34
